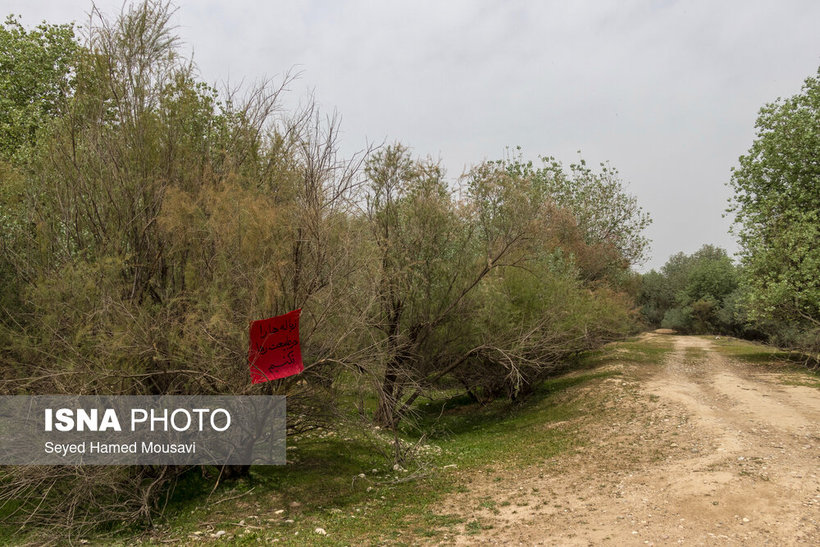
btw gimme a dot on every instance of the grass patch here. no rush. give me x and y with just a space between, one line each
803 378
651 351
753 352
770 359
472 435
694 354
324 477
322 486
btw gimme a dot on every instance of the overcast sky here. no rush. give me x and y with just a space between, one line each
667 91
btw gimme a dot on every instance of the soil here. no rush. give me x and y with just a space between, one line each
702 450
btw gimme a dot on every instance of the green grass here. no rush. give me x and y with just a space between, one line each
803 378
652 351
769 359
321 485
324 478
753 352
694 354
750 352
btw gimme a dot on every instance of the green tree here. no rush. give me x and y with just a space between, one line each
610 220
484 290
36 70
690 291
428 262
655 297
155 222
777 210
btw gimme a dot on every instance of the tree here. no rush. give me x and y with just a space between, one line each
655 297
36 70
777 210
36 75
777 215
428 262
483 289
610 219
156 222
156 218
690 292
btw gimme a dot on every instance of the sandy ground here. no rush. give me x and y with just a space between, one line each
700 451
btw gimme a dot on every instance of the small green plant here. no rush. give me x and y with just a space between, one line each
473 527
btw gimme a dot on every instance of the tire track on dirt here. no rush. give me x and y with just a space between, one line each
704 451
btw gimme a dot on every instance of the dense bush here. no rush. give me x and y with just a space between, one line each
151 218
695 293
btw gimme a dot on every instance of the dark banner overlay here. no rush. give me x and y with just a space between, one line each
142 430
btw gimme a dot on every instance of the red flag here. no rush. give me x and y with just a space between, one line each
274 348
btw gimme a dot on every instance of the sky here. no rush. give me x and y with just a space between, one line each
667 92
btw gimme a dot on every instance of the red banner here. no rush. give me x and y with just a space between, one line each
274 348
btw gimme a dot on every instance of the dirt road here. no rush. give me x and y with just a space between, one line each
702 450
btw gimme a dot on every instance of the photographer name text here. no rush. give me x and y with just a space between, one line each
94 447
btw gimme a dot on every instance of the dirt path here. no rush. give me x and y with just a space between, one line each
702 451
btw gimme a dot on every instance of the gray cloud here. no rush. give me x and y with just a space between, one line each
667 91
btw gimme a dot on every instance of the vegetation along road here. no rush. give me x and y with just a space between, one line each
473 370
661 439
